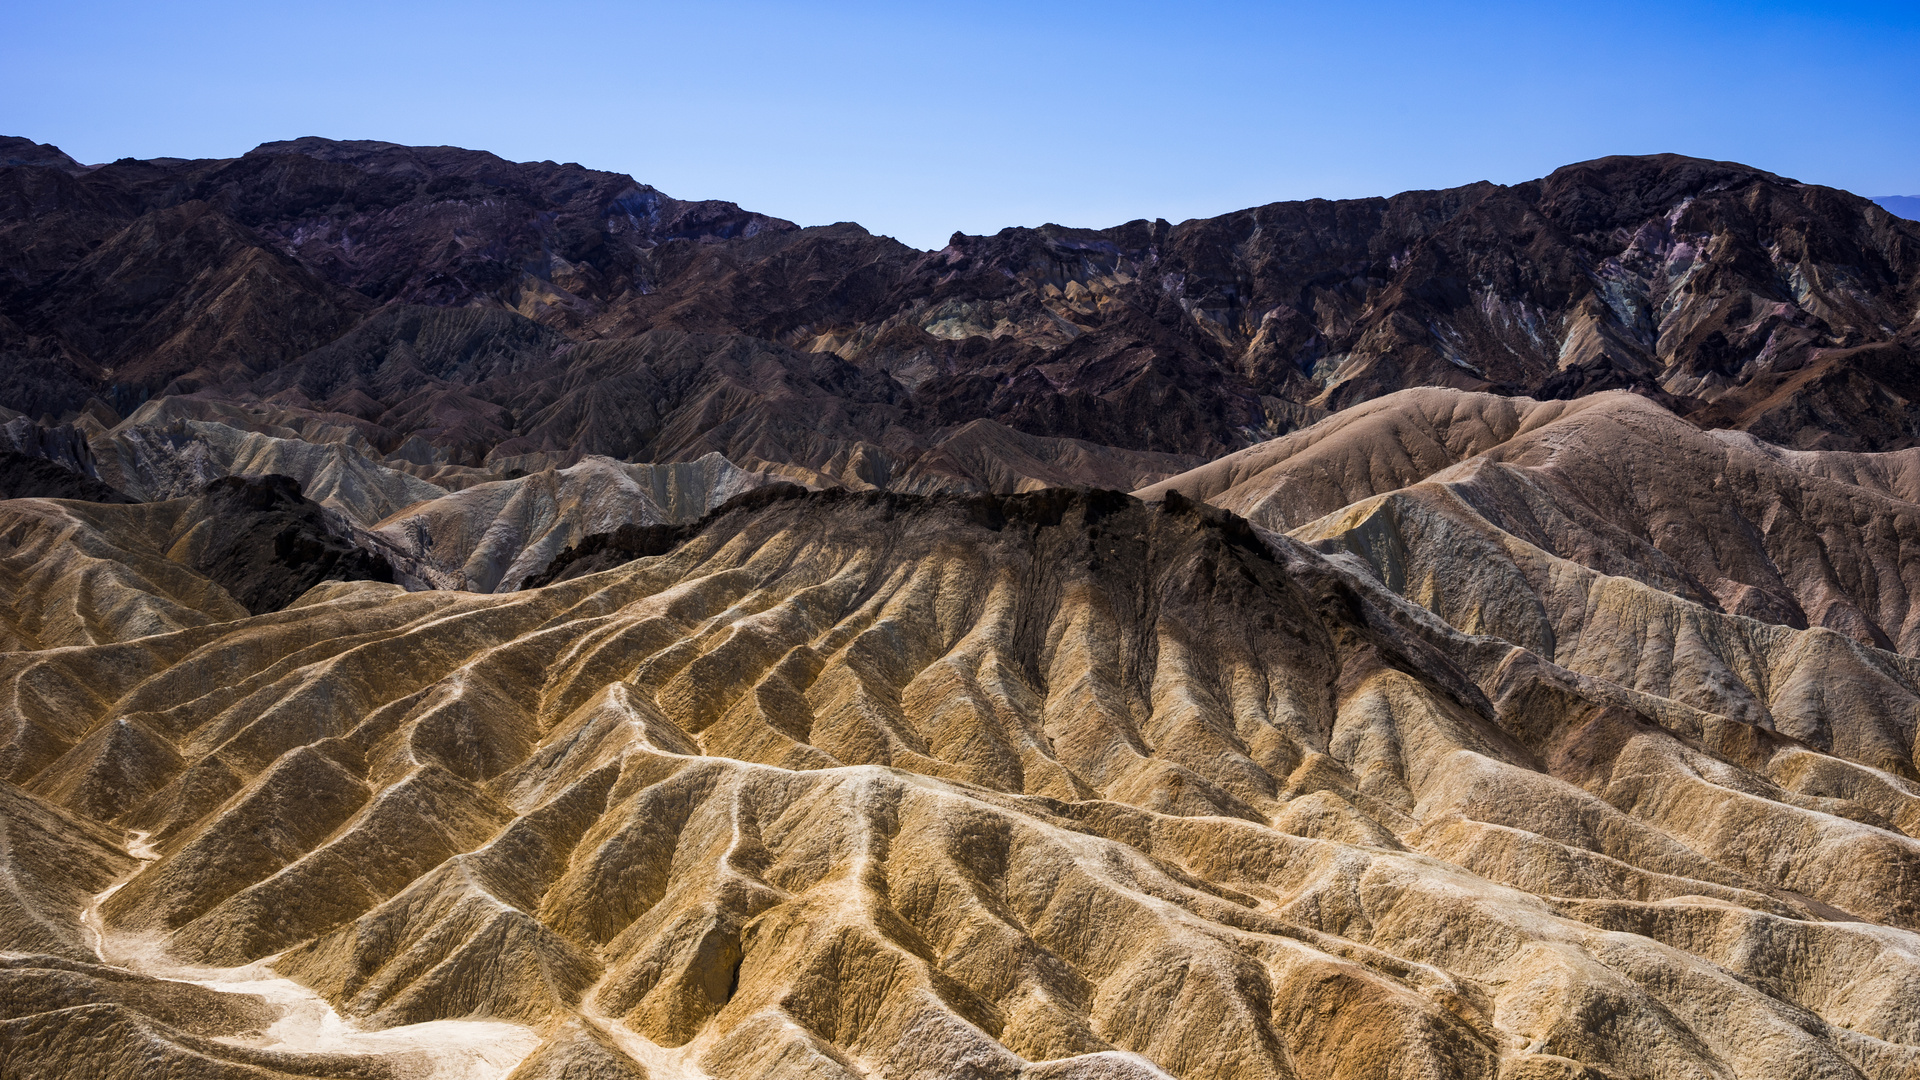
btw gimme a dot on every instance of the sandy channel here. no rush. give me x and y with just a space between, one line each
446 1049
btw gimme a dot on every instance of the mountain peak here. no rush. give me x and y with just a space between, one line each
15 150
1906 206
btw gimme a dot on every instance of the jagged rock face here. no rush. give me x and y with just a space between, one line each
1742 299
483 396
1762 303
137 275
875 785
1768 305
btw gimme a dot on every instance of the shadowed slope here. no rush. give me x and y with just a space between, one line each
80 573
470 408
23 477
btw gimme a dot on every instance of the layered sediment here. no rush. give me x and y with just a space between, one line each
1055 784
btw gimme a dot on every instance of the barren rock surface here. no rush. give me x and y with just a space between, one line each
77 572
1044 785
436 291
493 536
1612 482
468 620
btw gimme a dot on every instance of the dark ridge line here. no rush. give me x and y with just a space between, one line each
1045 507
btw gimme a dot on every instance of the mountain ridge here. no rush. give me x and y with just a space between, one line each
1906 206
1670 275
466 618
839 745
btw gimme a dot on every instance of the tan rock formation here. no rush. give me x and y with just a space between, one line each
492 536
77 573
1614 483
164 452
1044 786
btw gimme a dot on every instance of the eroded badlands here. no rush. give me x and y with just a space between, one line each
1447 760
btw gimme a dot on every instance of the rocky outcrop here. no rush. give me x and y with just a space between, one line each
491 537
174 447
265 544
1738 298
1613 483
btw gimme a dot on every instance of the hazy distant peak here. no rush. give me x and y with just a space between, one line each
1906 206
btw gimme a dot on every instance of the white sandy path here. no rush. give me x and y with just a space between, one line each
457 1049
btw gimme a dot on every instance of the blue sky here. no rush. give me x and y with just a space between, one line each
916 120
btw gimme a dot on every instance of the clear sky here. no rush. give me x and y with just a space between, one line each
918 119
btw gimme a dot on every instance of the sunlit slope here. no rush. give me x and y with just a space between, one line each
1612 482
1040 786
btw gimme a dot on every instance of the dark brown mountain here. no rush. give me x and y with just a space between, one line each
187 294
1725 291
1738 298
473 386
1713 286
145 277
265 544
442 225
15 150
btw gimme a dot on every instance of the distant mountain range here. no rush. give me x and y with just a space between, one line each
1907 206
